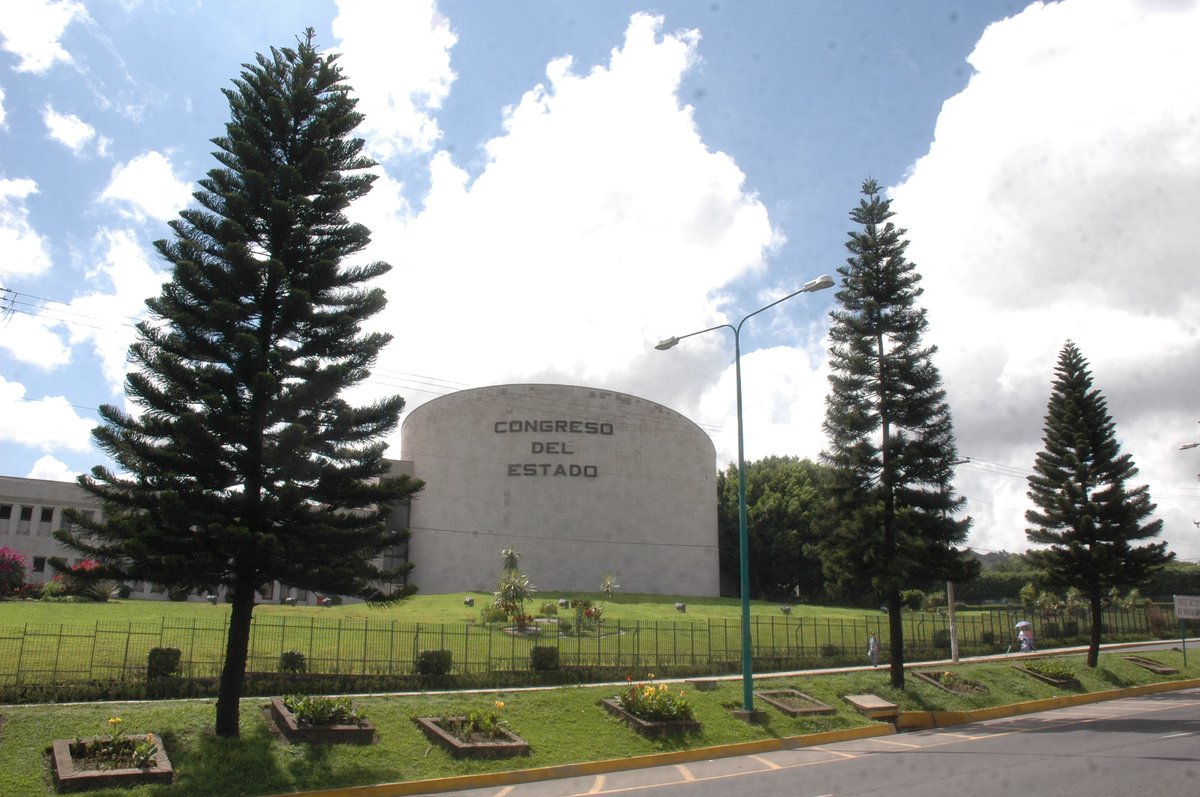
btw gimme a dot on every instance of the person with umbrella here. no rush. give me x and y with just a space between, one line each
1025 637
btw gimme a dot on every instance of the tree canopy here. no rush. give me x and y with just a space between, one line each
891 440
1085 515
242 464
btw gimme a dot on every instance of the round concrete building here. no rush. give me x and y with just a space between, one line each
582 482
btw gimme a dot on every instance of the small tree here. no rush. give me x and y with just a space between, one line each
514 587
1085 515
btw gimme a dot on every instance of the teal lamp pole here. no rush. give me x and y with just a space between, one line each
821 282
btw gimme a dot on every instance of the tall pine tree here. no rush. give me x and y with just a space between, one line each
243 465
891 441
1085 513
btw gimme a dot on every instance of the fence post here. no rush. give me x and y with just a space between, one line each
125 659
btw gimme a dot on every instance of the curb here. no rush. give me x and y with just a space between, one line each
907 720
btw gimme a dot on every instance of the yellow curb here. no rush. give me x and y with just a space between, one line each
907 720
913 720
490 779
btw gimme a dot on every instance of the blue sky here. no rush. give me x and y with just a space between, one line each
564 183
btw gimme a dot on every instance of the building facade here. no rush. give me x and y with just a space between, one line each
582 482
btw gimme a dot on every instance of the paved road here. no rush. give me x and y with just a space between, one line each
1145 747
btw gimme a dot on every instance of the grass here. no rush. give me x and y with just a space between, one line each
562 726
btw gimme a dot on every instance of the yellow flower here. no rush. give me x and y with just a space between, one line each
499 704
651 675
114 721
150 738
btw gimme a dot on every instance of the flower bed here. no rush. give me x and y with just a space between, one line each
1051 673
794 703
501 743
951 682
339 730
653 728
76 767
1156 667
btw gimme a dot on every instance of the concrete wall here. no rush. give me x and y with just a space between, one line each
583 482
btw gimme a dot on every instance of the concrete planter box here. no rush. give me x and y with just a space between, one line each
295 732
963 686
1061 683
794 703
510 745
1153 666
70 775
653 729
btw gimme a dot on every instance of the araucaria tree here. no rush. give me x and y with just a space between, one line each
891 442
1085 514
243 465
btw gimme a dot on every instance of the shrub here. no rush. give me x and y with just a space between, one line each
1052 630
549 609
565 625
292 661
1051 668
1071 628
492 613
941 638
434 662
830 651
543 657
934 601
124 591
12 572
912 599
313 710
987 637
162 663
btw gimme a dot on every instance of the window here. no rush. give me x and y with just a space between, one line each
26 513
47 514
44 520
39 564
5 511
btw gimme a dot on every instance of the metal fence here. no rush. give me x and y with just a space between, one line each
108 651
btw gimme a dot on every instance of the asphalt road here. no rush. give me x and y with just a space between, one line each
1144 747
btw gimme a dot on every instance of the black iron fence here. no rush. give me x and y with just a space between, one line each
109 651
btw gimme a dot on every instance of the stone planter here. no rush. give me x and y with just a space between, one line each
794 703
1158 668
1061 683
653 729
962 686
71 775
295 732
510 745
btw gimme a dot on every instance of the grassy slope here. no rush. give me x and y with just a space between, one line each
563 726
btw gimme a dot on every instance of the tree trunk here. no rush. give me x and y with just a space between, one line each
233 674
896 631
1093 657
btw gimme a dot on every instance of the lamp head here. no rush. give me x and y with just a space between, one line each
667 343
820 283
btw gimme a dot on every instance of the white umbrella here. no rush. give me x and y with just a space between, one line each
1022 624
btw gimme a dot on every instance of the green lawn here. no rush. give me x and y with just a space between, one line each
562 726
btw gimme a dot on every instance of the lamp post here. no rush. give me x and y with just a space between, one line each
823 281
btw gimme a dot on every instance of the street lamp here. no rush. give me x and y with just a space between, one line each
821 282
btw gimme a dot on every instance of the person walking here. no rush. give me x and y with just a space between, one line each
873 649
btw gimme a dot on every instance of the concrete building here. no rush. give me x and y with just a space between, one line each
582 482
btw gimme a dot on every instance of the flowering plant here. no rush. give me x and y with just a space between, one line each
12 572
116 751
478 724
653 703
315 710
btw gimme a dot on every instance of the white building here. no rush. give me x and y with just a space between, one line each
582 482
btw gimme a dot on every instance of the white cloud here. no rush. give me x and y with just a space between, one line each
51 469
68 129
31 30
3 114
48 423
148 186
23 252
600 224
1056 202
397 58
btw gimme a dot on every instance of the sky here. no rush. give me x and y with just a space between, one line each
563 184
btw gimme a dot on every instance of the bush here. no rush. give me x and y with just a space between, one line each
934 601
12 572
987 637
941 638
162 663
549 609
434 662
292 661
492 613
124 591
543 657
312 710
830 651
565 625
1071 628
1052 630
912 599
